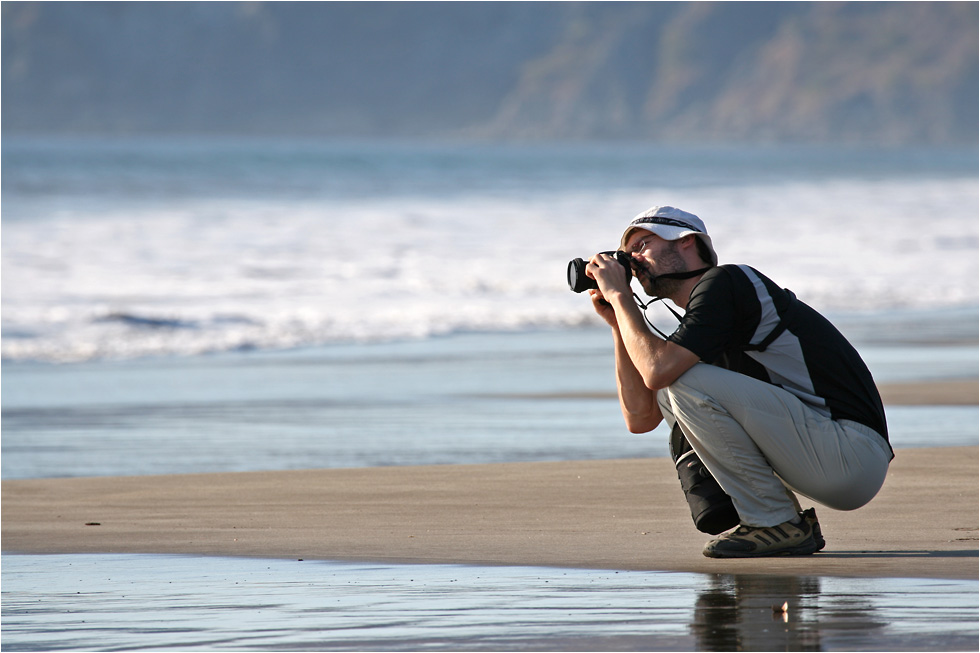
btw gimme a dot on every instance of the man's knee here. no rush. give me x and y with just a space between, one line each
689 387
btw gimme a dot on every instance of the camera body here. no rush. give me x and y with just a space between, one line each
578 281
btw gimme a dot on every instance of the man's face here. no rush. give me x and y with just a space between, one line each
657 256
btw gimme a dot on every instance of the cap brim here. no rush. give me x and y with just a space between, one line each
668 232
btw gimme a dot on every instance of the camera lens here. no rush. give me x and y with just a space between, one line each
577 279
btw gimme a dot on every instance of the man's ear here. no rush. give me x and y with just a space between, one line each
687 241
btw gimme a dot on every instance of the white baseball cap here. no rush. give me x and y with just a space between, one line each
670 224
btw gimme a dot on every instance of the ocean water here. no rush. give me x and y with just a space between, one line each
178 306
465 398
121 249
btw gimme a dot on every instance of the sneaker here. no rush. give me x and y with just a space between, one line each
810 515
757 541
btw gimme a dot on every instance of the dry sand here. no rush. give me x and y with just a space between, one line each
952 392
619 514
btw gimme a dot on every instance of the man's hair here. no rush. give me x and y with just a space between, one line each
704 251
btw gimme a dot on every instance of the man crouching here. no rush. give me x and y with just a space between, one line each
769 394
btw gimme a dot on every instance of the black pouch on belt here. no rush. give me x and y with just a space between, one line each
712 509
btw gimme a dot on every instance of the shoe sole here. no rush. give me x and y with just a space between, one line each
808 548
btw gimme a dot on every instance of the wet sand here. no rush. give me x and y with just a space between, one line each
122 602
614 514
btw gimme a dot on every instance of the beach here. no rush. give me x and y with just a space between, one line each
470 492
528 464
326 412
615 514
559 555
620 514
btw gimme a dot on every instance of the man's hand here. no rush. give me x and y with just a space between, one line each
608 274
603 308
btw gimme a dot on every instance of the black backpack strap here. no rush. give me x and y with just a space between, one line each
777 330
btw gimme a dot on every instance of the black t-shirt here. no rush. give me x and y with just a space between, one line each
735 311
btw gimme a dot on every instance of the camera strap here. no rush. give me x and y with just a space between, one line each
670 275
644 307
677 275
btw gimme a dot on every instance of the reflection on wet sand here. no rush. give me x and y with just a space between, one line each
806 613
767 613
126 602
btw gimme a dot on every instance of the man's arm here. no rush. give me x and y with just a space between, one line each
644 362
638 402
658 361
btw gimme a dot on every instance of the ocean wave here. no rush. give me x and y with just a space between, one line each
116 278
146 322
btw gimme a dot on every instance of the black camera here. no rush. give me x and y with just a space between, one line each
578 281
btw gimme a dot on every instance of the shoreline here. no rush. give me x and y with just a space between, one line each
626 514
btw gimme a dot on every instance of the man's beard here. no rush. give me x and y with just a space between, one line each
668 261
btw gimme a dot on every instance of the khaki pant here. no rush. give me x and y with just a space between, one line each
758 440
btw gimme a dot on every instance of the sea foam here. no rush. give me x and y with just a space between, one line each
115 273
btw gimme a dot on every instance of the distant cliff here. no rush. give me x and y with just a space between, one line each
770 71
